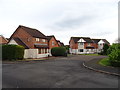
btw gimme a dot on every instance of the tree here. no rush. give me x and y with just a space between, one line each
105 48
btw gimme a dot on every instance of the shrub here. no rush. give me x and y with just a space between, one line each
12 52
113 47
114 56
105 48
58 51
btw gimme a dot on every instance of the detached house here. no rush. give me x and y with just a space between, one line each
3 40
35 43
82 45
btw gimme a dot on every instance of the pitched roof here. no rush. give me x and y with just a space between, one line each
20 42
33 32
96 40
87 39
105 41
3 40
49 37
60 43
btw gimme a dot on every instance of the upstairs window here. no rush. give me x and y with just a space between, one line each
43 40
53 43
28 39
37 39
80 43
89 44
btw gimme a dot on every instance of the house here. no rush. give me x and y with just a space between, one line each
34 42
52 42
101 44
83 45
3 40
60 43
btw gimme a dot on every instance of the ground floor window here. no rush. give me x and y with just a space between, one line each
92 50
39 51
46 51
42 50
80 50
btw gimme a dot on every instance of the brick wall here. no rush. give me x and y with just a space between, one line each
55 43
3 40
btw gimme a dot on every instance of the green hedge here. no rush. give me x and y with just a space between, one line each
12 52
58 51
114 58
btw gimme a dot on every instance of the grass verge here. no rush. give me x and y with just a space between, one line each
104 62
90 54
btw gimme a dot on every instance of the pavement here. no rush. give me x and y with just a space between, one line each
93 65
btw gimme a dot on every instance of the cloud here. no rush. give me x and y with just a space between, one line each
73 22
63 18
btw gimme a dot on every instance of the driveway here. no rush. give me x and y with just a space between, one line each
62 72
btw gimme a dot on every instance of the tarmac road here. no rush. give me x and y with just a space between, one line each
63 72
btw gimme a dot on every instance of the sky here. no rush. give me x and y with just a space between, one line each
62 18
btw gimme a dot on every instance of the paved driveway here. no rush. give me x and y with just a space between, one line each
63 72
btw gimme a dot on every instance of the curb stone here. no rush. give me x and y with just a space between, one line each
101 71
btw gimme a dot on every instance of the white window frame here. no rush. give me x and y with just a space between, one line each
37 39
81 43
53 43
43 40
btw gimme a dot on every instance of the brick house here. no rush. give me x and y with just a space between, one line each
3 40
60 43
101 44
52 42
34 42
82 45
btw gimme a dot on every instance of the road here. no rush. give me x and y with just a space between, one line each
63 72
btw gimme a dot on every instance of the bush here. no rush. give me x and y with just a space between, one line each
12 52
114 58
58 51
105 48
113 47
114 55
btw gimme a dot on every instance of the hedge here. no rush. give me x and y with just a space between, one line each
12 52
114 55
58 51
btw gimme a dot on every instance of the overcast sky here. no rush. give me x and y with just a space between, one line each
62 18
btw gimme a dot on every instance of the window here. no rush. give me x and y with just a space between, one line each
45 50
43 40
28 39
89 44
80 50
92 50
81 43
53 43
37 39
39 51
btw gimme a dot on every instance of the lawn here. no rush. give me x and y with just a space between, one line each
90 54
104 62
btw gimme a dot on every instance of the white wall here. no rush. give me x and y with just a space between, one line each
85 51
33 53
12 41
30 53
